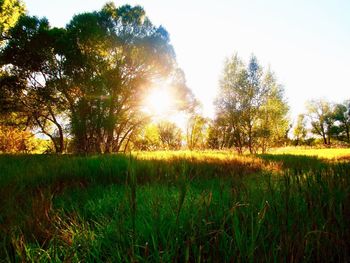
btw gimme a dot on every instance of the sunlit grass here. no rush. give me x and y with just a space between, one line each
328 153
186 154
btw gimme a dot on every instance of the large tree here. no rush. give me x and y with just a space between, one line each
32 79
93 73
113 56
250 106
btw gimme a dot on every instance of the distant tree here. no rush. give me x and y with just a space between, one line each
341 118
320 113
251 110
148 139
196 132
272 122
300 130
231 104
170 135
214 136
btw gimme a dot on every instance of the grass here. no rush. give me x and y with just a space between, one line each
174 206
325 153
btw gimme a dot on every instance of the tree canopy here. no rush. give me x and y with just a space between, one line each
251 109
10 12
86 81
329 120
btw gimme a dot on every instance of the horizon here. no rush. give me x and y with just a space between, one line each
304 44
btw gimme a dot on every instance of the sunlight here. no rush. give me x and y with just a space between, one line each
159 102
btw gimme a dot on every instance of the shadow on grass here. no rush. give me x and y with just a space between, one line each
303 164
291 161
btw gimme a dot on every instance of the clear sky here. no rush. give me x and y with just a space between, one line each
306 43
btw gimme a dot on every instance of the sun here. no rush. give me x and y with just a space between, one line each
159 102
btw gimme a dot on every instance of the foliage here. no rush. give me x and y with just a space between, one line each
148 139
329 120
163 135
87 80
10 12
273 124
196 132
320 114
170 135
341 118
15 140
121 51
15 135
251 111
300 130
214 136
33 76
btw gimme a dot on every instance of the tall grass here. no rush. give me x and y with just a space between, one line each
166 207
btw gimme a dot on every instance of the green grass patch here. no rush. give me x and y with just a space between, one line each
174 206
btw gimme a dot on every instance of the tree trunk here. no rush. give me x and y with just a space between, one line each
328 139
60 145
60 139
250 139
324 139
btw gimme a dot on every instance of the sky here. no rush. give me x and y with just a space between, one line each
305 43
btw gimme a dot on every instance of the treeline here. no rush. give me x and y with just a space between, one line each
82 87
329 121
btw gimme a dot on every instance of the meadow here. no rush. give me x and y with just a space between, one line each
285 206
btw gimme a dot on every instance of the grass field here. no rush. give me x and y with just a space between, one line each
286 206
325 153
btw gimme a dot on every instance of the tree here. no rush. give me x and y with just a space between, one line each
148 139
33 77
213 136
320 113
89 78
250 108
170 135
300 130
196 131
341 118
113 55
230 105
272 122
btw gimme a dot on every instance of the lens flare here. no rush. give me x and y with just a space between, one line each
159 102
